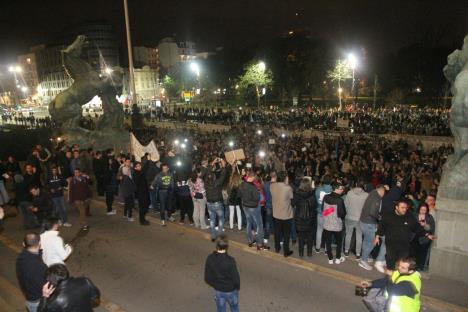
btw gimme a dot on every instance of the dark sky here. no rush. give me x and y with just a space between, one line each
378 25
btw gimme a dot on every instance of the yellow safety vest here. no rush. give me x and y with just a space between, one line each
405 303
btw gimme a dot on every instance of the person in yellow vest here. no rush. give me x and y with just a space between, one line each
402 287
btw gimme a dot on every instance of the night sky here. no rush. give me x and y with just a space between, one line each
377 25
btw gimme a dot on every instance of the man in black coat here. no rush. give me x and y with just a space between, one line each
399 227
221 273
31 271
142 192
110 170
99 168
65 293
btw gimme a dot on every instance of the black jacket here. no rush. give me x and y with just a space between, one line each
305 215
31 274
142 189
399 230
214 188
72 295
249 195
221 272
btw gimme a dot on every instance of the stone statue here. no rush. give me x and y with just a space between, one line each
66 108
454 182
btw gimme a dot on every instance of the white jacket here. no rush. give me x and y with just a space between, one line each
53 250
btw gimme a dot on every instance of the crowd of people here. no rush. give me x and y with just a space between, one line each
422 121
361 197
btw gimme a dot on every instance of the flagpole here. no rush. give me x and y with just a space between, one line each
130 55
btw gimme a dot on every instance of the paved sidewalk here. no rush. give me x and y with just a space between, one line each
439 294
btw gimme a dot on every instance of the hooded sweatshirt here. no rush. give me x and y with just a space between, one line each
354 202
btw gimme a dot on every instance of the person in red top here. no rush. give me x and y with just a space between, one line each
80 195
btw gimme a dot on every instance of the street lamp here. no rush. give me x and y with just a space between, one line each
352 61
231 144
108 70
261 65
261 154
195 68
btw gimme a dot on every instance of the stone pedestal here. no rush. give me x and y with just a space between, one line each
449 255
118 139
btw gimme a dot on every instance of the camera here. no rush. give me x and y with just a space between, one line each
361 291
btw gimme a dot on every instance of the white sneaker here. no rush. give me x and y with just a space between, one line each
172 219
112 212
163 223
330 261
265 241
365 265
130 219
206 227
66 224
380 266
370 260
340 260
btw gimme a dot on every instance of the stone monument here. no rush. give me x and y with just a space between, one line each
449 256
66 108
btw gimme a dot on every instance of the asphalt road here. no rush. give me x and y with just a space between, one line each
161 269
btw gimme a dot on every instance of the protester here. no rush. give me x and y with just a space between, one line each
214 197
421 244
234 202
80 196
53 249
56 184
142 192
31 271
354 203
282 195
399 227
250 199
334 212
198 192
368 221
163 183
305 216
63 291
221 273
127 188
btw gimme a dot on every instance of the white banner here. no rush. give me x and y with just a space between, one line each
139 150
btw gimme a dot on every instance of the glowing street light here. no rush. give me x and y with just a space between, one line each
15 69
340 90
176 142
261 65
183 145
259 132
353 62
283 135
24 89
178 163
231 144
108 70
195 68
261 154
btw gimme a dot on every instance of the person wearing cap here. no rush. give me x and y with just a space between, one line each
334 212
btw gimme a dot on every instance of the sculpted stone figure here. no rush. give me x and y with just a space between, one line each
454 183
66 108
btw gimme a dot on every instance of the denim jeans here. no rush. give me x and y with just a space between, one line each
216 209
164 203
153 198
382 250
350 226
254 217
60 209
232 211
32 305
368 230
231 298
318 237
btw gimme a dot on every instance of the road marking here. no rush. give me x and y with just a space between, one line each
106 304
427 301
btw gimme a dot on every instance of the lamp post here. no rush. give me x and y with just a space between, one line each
196 69
352 61
261 67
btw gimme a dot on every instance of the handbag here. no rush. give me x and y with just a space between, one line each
375 301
